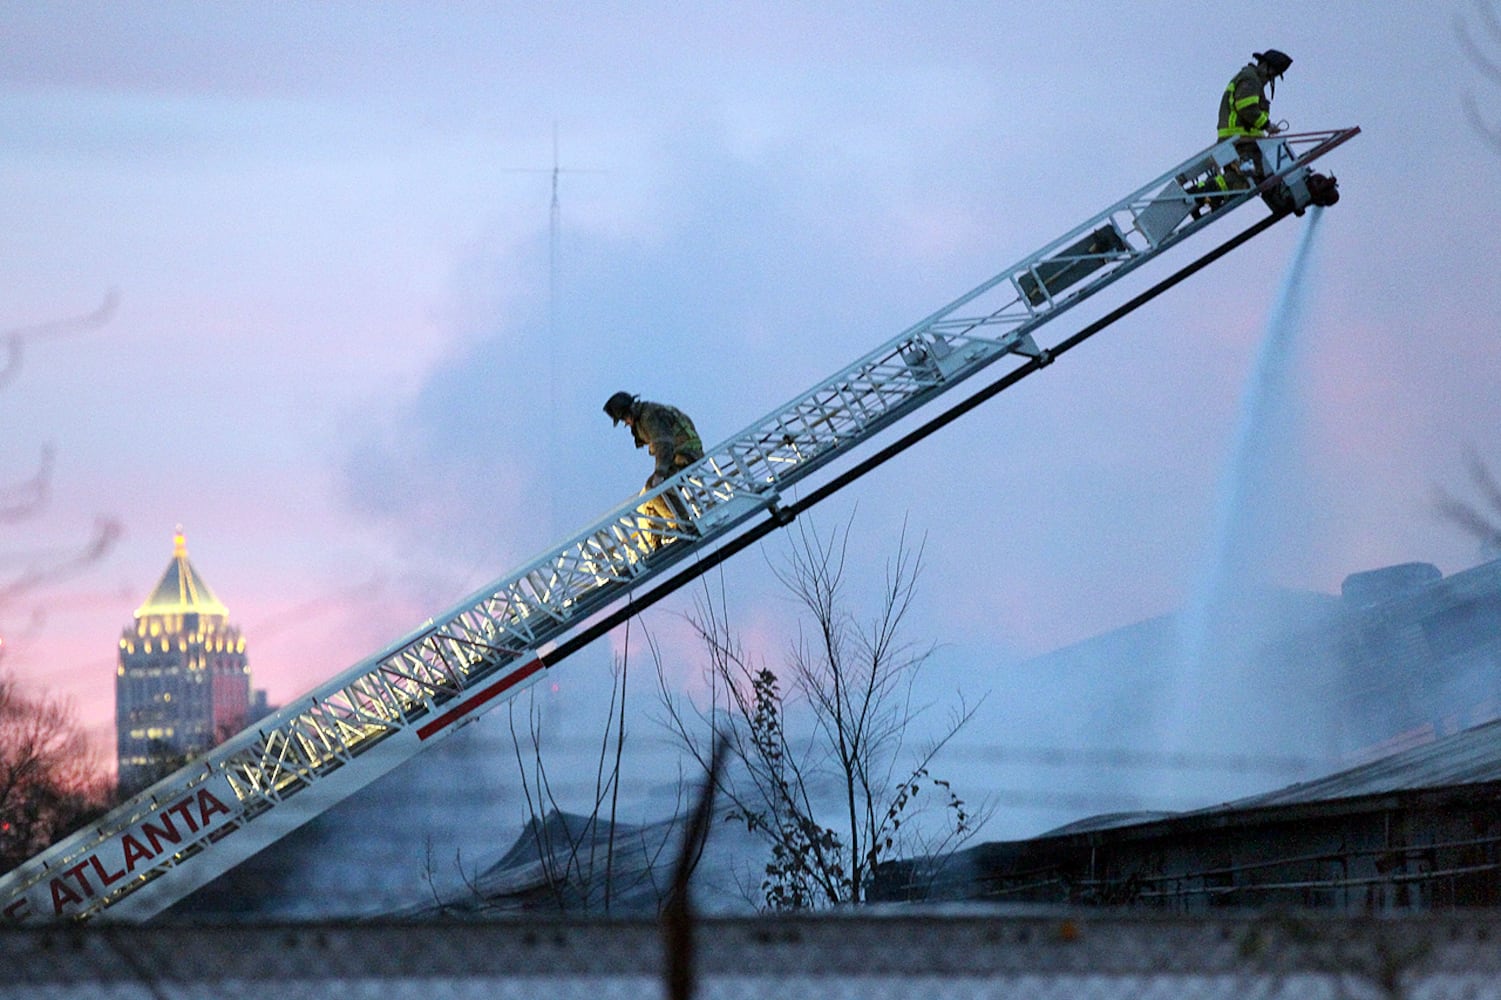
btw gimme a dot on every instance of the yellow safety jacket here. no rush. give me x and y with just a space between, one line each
1244 109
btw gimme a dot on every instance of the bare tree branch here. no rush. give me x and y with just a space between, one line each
27 499
1488 66
1473 52
50 782
1480 521
107 532
852 698
1484 481
15 339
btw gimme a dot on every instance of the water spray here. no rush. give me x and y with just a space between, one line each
1234 565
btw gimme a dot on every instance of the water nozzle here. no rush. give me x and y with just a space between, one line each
1322 191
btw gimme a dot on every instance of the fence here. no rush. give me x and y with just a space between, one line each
900 952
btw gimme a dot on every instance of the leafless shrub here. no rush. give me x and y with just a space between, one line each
825 771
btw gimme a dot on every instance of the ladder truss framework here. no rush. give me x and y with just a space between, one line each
250 791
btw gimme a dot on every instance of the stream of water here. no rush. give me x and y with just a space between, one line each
1215 703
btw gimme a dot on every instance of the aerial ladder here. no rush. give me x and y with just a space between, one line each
247 793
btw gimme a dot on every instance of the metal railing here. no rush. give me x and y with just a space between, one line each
362 723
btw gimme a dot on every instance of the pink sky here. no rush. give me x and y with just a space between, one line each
338 359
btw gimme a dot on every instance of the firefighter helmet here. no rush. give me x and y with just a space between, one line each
618 406
1276 61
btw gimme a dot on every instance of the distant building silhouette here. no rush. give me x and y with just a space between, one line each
1400 675
183 680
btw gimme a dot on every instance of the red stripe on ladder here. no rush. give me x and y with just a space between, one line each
493 691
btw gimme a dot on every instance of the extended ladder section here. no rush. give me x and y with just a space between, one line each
250 791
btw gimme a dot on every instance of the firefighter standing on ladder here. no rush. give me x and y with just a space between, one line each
672 440
1246 113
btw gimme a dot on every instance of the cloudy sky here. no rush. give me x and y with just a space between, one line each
342 343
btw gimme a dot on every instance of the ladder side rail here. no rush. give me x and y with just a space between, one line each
401 707
778 460
135 813
786 451
270 763
788 456
68 862
320 735
283 754
791 443
283 762
441 676
338 736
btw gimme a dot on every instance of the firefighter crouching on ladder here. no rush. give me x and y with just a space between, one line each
1246 113
672 440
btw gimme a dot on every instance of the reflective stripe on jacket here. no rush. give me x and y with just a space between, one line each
1244 109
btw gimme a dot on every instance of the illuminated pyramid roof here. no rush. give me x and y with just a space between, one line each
181 590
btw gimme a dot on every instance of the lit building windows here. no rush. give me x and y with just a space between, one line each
172 700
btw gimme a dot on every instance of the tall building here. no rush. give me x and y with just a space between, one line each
183 681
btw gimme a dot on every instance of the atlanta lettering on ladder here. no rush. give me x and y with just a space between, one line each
131 851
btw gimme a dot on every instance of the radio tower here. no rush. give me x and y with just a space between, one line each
554 239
